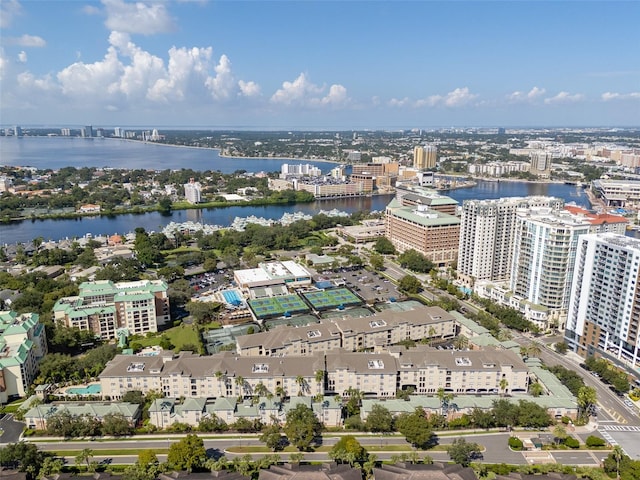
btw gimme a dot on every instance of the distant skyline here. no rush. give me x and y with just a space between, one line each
304 64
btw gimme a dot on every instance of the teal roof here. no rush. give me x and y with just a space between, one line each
95 409
13 324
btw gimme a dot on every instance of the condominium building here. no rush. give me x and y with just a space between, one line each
351 333
103 307
299 170
473 371
371 373
604 311
430 232
38 416
193 191
540 163
23 343
487 231
545 243
425 157
222 375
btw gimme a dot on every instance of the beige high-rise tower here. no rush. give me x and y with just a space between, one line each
425 157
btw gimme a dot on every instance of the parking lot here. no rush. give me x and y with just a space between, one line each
371 286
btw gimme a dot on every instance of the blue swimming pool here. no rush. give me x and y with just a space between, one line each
92 389
232 297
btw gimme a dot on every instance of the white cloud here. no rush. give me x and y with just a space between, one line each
138 17
27 81
91 10
564 97
223 84
22 57
186 73
9 9
456 98
91 79
302 92
26 41
399 102
249 89
608 96
530 96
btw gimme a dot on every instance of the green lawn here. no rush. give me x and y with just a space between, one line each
179 336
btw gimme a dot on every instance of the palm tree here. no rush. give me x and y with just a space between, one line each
301 383
504 335
431 333
461 342
281 392
504 383
84 456
534 349
219 375
320 381
444 398
536 389
261 390
240 382
618 455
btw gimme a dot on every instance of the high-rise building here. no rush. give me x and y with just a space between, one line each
604 312
425 157
87 132
103 307
65 132
487 234
423 227
545 243
300 170
540 163
193 191
17 131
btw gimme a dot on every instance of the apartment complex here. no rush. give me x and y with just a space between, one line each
222 375
103 307
425 157
37 416
336 372
425 229
604 310
23 343
352 334
193 191
487 232
545 244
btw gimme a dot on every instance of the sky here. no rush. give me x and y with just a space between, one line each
303 64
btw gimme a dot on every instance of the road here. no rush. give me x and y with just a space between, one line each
611 406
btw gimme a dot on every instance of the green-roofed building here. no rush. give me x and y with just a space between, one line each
103 307
23 343
38 416
424 227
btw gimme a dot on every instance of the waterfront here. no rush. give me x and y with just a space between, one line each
99 225
59 152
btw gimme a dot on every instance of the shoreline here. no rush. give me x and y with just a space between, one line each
219 150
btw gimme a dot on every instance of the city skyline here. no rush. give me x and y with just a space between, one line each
314 64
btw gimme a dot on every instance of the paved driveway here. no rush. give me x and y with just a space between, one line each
11 429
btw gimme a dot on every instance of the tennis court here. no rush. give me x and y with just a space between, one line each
284 305
334 298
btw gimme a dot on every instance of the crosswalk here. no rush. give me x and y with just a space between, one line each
619 428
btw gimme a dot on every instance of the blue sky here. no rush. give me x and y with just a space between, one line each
320 64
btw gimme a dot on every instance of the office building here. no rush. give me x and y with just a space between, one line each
487 231
423 228
604 312
193 191
545 243
23 343
540 163
103 307
425 157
